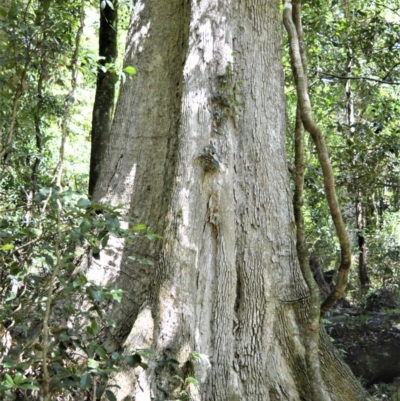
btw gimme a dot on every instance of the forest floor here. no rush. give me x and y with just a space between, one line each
369 341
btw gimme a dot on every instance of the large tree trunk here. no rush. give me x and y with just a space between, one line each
226 280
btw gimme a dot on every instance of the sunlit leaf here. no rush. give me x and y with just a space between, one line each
117 295
18 378
93 364
139 227
130 70
192 380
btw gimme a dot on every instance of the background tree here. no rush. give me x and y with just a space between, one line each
107 78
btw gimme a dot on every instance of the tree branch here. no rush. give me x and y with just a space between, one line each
345 77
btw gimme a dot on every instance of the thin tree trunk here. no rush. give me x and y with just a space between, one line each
362 248
226 281
350 117
105 89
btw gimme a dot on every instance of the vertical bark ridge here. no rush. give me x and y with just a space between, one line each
140 164
266 251
335 371
290 337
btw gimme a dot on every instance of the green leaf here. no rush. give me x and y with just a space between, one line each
70 288
112 222
67 195
8 362
80 282
95 294
18 378
12 14
192 380
85 226
49 260
173 362
201 358
151 236
130 70
117 294
86 381
64 337
100 351
93 364
116 357
83 203
145 261
7 247
96 252
103 4
110 395
9 382
104 241
93 329
139 227
27 386
99 391
133 360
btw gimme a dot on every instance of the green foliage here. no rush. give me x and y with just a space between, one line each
187 379
51 314
78 306
184 393
386 246
36 51
202 358
385 391
353 68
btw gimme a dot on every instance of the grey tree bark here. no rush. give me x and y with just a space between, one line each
226 280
